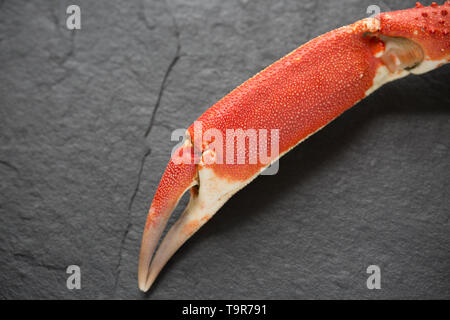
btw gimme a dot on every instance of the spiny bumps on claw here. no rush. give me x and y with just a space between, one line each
428 26
433 5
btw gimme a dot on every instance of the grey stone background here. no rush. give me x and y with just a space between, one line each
85 124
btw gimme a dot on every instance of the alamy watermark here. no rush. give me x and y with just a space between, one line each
74 280
374 280
73 21
236 146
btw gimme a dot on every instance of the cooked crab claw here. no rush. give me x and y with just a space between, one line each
208 192
176 180
294 97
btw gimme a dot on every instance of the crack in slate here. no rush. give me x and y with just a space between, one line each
166 75
10 166
136 189
34 262
70 53
147 132
130 204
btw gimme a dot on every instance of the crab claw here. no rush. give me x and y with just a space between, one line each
296 96
176 180
208 193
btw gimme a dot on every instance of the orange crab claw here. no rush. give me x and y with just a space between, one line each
296 96
177 178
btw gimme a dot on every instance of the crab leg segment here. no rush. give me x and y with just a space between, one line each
297 95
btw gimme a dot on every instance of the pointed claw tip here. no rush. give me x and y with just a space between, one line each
143 274
146 284
143 282
143 288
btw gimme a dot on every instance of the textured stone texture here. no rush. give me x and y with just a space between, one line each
85 124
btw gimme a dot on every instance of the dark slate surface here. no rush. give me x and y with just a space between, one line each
85 124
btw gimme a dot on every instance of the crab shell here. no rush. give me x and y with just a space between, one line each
297 95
